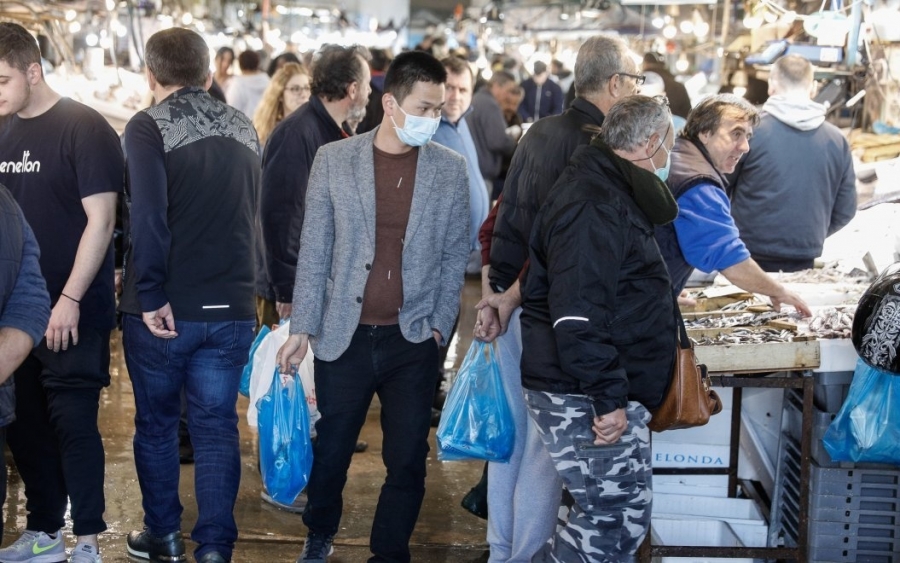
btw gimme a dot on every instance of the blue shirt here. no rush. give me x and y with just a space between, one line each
706 232
458 138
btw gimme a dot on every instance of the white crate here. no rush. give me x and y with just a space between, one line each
694 485
742 515
695 532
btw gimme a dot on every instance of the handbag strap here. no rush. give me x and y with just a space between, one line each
683 341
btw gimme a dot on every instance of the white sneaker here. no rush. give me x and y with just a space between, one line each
35 547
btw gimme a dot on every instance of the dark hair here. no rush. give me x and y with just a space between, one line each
409 68
706 117
501 78
248 60
225 51
18 48
380 60
457 65
280 61
177 57
335 68
540 67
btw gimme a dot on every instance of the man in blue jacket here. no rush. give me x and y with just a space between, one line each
796 162
454 133
703 235
543 96
24 309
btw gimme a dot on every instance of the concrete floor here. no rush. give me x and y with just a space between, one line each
445 532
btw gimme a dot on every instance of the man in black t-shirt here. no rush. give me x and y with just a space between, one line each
63 164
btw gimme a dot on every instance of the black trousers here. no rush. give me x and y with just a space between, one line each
55 441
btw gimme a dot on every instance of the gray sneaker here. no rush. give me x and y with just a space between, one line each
316 549
84 553
35 547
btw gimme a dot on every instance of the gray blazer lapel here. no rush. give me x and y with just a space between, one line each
425 178
363 166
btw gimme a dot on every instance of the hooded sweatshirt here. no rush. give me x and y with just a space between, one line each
796 186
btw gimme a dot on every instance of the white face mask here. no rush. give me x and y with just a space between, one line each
416 131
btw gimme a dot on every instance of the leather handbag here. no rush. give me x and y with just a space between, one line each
689 400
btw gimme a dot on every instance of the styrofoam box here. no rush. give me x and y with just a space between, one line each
694 485
695 532
836 354
742 515
701 446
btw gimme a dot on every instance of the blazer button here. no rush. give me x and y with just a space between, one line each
359 299
368 266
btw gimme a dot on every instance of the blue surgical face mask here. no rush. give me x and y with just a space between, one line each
663 173
416 131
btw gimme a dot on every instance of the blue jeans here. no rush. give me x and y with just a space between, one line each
404 374
206 360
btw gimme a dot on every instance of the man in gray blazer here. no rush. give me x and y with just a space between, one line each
379 277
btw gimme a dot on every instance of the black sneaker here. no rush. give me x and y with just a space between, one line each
316 549
166 549
212 557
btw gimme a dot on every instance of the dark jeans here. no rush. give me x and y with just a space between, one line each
379 360
206 360
55 441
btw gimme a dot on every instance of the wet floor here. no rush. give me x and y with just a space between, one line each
444 533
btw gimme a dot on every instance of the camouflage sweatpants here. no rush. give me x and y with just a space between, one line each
611 485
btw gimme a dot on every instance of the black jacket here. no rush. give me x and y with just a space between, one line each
597 313
286 162
542 155
691 166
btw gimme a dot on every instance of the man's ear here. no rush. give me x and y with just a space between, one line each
34 73
614 86
352 90
388 104
209 79
151 80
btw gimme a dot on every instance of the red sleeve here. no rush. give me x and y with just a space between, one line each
486 232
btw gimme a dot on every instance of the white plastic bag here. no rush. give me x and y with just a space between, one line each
264 365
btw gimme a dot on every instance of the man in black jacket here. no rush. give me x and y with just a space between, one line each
340 85
598 329
193 174
522 496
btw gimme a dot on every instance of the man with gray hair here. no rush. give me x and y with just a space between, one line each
523 497
796 161
704 236
598 326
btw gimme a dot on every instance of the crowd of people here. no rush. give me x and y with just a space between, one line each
265 196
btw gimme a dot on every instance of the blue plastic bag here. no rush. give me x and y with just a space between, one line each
867 428
244 389
476 422
285 448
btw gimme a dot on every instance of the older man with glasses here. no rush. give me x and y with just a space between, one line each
598 326
524 494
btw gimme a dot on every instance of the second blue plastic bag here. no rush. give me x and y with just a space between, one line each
285 449
476 422
867 428
244 389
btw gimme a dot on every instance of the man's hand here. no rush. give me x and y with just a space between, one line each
63 322
609 427
685 299
161 322
283 309
487 325
790 298
293 352
437 336
504 303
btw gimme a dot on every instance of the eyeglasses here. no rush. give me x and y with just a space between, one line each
639 79
298 89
